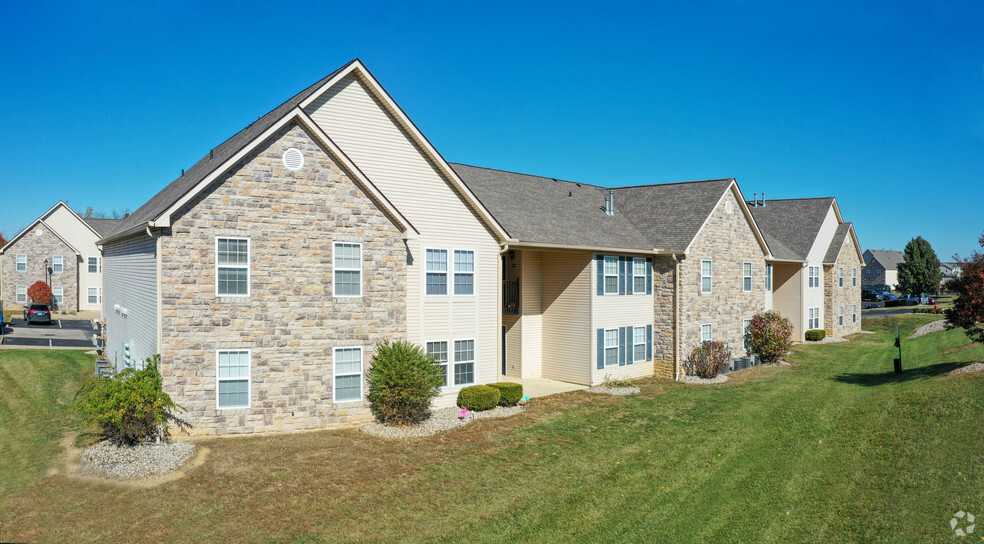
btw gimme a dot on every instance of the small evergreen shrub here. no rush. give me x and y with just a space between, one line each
927 310
479 397
511 392
402 382
130 407
815 335
707 360
770 336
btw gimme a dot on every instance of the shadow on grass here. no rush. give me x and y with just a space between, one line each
870 380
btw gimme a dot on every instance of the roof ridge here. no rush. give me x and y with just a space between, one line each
671 183
528 175
805 198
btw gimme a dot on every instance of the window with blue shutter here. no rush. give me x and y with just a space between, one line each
649 342
601 349
621 346
621 275
649 276
601 273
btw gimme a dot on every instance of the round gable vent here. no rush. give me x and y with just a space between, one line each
293 159
39 232
727 206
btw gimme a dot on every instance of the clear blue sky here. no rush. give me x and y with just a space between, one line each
881 106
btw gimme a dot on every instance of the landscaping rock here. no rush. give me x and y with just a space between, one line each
617 391
137 462
828 340
720 378
935 326
971 368
440 420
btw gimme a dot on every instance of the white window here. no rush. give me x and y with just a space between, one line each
814 276
58 294
464 272
639 275
854 277
232 267
95 295
611 275
706 332
611 347
746 327
439 351
854 314
21 293
347 269
233 378
840 316
768 276
705 276
840 277
464 362
813 318
746 277
347 365
437 271
22 263
639 344
95 265
57 264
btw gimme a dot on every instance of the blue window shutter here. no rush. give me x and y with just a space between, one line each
621 275
621 346
649 275
629 345
601 349
649 342
629 275
601 273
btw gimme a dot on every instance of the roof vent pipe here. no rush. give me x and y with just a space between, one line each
610 204
763 199
755 200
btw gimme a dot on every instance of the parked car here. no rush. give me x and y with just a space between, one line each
870 295
908 300
926 299
887 295
37 313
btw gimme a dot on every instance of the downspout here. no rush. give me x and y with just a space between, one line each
676 317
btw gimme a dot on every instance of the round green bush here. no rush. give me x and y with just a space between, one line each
511 392
815 335
402 382
479 397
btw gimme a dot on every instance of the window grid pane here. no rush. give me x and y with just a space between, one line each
348 374
22 263
21 293
639 344
439 351
437 260
611 347
58 293
93 265
233 374
705 333
464 365
57 264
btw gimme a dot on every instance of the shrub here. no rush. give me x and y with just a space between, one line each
130 407
815 335
707 360
511 392
609 381
39 292
769 335
402 382
479 397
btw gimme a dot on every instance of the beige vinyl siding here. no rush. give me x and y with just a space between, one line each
814 298
362 127
566 303
71 229
130 270
788 282
532 308
612 312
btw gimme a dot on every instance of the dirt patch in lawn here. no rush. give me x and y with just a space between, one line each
68 466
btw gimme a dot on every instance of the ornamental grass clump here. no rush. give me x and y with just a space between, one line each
707 360
402 382
131 407
770 336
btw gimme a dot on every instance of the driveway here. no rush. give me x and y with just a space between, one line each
61 333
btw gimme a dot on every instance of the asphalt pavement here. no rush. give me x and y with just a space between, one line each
60 333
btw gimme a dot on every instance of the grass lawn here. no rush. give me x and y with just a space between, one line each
833 449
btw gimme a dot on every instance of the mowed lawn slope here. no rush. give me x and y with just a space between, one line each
833 449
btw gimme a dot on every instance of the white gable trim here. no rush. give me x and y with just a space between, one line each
733 187
42 217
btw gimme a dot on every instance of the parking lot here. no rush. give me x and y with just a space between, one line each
61 333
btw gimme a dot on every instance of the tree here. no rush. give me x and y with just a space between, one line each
968 308
919 271
40 293
3 241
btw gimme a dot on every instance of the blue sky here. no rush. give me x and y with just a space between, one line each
881 106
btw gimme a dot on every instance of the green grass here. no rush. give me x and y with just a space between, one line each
834 449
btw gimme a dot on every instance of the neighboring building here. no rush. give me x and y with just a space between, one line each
816 264
74 263
950 271
881 269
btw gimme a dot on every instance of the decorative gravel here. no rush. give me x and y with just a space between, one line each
137 462
777 364
828 340
975 367
444 419
617 391
720 378
935 326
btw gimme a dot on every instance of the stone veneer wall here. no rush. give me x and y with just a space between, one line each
664 324
38 248
727 239
847 296
291 321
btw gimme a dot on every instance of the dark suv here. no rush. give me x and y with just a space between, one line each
37 313
871 295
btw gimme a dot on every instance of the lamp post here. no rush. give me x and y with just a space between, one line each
46 271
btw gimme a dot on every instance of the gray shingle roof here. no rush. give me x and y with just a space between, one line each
102 226
835 244
541 210
888 258
790 226
670 214
163 200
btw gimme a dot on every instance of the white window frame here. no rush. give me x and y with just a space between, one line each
709 327
746 276
21 296
854 313
637 264
840 316
455 362
98 291
334 268
98 265
613 345
610 259
335 375
247 267
639 340
746 327
21 261
447 358
249 378
709 276
840 276
813 318
854 277
813 273
58 295
455 272
428 271
57 264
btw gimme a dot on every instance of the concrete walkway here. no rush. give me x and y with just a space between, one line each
542 387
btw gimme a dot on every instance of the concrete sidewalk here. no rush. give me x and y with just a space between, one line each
543 387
